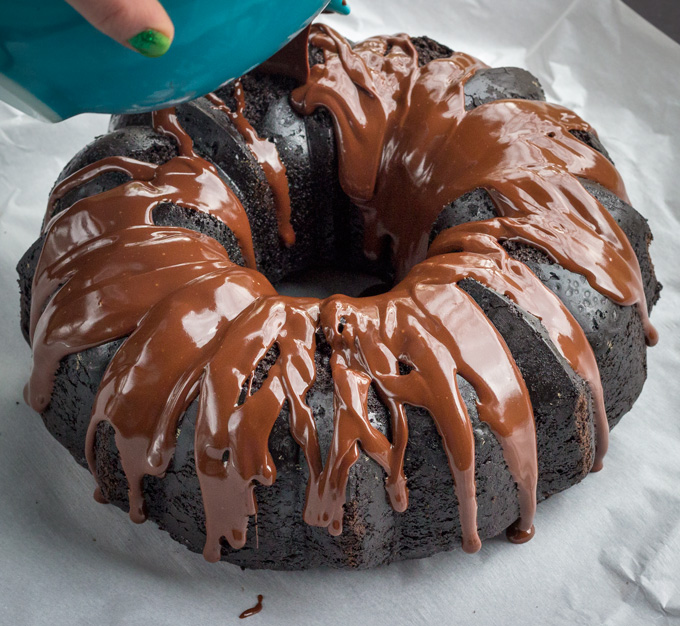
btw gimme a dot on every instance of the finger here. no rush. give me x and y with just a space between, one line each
338 6
142 25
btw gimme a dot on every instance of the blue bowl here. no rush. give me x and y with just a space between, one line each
54 62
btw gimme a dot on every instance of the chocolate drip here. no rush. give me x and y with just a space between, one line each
123 276
99 496
437 329
482 258
103 251
108 272
406 140
253 610
267 156
416 323
243 430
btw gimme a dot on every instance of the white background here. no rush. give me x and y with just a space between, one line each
606 551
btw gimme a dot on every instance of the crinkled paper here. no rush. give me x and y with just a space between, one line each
605 552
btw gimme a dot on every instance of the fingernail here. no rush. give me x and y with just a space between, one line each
150 43
339 6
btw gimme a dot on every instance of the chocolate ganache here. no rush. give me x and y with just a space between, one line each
196 323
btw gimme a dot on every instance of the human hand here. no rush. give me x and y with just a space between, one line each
141 25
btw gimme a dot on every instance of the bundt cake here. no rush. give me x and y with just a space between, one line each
505 335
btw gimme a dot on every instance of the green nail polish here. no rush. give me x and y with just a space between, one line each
150 43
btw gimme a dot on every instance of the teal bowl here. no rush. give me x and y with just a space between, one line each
54 63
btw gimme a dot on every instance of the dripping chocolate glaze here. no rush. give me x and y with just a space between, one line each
253 610
406 140
267 156
115 274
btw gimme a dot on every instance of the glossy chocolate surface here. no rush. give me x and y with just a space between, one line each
197 325
253 610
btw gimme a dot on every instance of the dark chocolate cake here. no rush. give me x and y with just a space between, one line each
286 433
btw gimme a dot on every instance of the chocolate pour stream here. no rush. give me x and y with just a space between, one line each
112 273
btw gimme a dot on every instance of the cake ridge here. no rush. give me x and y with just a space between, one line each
267 156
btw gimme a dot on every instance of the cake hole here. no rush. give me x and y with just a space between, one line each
225 456
552 135
405 368
322 346
378 413
262 369
327 281
256 379
245 392
341 325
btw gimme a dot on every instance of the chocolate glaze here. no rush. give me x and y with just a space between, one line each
406 140
253 610
267 156
406 144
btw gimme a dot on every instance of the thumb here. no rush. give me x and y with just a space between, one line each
142 25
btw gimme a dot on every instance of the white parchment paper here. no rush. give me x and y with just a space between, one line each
606 552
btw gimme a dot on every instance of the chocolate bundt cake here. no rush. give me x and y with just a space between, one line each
506 334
